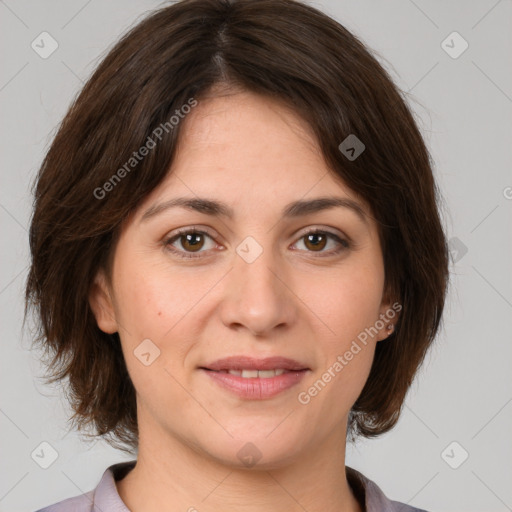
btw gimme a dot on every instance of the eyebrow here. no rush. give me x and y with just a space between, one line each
292 210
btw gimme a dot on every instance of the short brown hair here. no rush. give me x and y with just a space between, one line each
284 50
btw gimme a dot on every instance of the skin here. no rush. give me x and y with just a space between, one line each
295 300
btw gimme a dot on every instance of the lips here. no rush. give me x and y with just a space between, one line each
241 363
255 379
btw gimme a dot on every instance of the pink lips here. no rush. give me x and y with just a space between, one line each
252 363
255 388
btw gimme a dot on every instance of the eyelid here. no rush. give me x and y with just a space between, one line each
169 239
326 229
192 229
343 240
298 234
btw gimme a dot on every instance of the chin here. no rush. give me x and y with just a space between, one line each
254 447
259 455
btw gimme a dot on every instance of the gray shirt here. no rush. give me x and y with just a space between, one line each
105 498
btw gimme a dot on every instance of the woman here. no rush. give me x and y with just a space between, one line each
237 260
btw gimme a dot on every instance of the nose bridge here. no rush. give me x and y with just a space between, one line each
257 297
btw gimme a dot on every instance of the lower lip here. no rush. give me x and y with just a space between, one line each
256 388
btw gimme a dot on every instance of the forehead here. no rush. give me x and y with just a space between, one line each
246 130
241 143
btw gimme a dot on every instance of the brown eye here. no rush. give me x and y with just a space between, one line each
188 243
316 241
192 241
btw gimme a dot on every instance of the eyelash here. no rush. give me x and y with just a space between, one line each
344 244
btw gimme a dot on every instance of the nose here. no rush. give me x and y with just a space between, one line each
258 296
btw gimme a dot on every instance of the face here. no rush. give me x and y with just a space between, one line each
272 286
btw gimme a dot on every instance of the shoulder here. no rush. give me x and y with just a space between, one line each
104 498
372 496
82 503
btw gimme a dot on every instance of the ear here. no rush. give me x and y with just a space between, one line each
100 300
388 317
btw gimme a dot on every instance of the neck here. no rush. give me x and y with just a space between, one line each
171 476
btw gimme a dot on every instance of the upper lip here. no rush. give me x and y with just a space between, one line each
252 363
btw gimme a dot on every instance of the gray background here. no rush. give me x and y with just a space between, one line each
463 105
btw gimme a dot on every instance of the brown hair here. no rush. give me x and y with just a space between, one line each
282 49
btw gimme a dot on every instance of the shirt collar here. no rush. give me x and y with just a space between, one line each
107 499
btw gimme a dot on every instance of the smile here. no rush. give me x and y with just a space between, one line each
255 384
254 374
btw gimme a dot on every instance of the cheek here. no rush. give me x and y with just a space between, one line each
144 305
149 297
156 303
347 302
347 349
348 305
152 313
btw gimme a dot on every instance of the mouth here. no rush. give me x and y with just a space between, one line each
254 374
251 364
255 379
